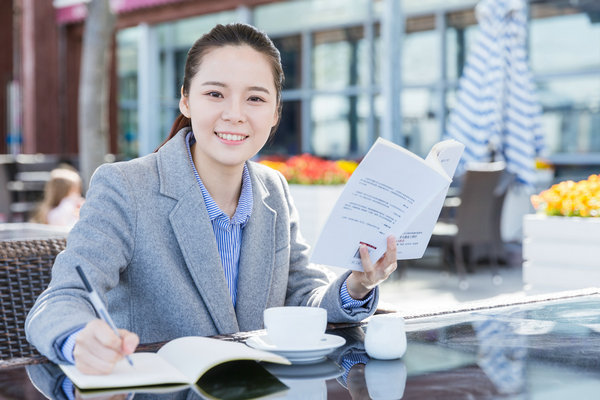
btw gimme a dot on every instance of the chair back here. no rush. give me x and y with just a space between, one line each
25 271
482 198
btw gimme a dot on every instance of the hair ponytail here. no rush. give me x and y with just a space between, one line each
180 122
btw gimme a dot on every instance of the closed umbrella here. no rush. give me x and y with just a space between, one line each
497 115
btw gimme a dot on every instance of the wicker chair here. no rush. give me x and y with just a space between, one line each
25 270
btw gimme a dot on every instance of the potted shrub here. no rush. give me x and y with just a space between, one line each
562 240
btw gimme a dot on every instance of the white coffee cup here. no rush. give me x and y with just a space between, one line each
295 327
386 337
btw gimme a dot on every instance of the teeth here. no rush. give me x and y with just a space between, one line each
228 136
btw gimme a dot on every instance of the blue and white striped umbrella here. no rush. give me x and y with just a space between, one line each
497 111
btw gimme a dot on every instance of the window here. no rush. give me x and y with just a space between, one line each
286 16
571 118
560 43
419 120
127 63
564 44
340 59
287 139
339 125
460 34
291 59
334 108
421 51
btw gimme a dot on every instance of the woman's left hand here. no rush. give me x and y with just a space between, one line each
359 283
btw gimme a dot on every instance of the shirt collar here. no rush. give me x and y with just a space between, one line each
244 207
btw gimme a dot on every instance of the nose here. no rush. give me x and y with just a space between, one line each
234 111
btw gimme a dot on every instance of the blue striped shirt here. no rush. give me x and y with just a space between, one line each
228 232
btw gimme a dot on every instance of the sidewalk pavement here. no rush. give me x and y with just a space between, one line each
425 286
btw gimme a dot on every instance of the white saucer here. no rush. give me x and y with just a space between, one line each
299 356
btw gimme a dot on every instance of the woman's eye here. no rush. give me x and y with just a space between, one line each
255 99
214 94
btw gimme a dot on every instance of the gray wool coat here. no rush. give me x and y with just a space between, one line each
146 243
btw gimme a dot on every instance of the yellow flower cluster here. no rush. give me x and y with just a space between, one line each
570 199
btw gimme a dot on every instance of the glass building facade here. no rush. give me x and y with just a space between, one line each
336 58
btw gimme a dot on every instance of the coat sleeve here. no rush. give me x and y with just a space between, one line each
314 285
102 243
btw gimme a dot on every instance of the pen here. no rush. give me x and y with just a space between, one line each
99 306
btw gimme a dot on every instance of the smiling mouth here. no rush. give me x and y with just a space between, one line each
231 136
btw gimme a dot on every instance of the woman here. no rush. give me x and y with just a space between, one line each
62 199
194 239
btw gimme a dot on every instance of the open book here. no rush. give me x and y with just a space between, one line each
182 361
392 191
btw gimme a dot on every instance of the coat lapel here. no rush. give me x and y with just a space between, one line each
257 258
193 230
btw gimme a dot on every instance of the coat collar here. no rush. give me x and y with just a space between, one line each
193 230
175 174
257 257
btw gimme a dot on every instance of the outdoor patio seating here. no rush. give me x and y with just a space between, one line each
22 180
25 271
476 218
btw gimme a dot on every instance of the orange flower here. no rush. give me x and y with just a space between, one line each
569 198
307 169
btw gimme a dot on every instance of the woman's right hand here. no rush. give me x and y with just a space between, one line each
98 348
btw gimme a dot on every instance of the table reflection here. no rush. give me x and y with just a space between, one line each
306 381
501 355
367 378
385 379
548 349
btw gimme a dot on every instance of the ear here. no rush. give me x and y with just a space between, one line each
275 117
184 105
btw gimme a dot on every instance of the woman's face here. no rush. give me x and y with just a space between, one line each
232 104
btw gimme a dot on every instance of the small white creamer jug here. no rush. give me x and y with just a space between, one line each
386 337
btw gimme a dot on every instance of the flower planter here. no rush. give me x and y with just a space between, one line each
561 253
314 203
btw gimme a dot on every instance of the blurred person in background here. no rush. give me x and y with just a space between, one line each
62 198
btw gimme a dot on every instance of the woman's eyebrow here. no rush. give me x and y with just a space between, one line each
251 88
213 83
259 89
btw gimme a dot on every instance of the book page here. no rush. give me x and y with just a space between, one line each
388 190
147 369
194 355
412 243
446 154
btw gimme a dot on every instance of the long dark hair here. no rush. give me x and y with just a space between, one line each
236 34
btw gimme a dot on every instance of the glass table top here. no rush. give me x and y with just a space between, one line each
538 350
